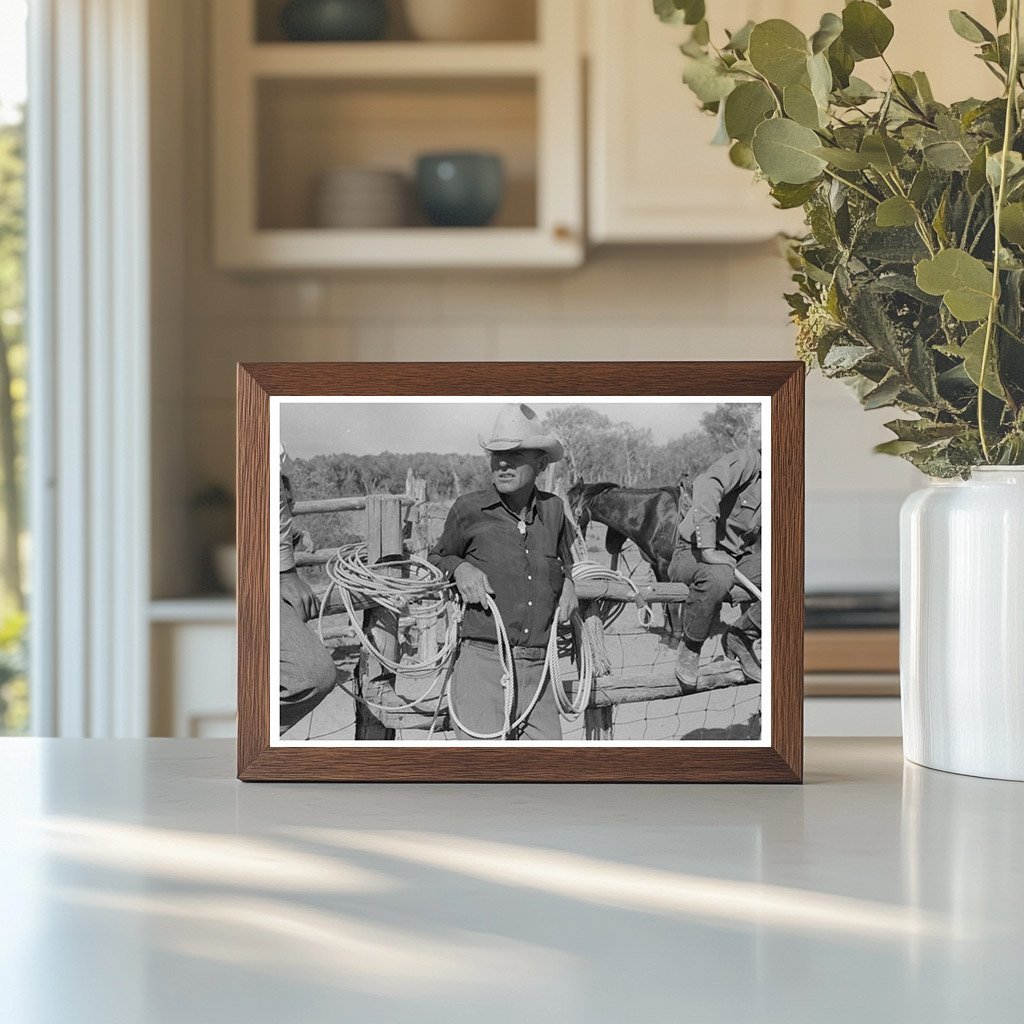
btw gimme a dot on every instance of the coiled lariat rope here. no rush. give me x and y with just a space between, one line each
422 595
584 567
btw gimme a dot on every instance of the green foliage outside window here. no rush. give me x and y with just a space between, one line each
910 278
13 412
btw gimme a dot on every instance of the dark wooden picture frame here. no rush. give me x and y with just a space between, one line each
780 761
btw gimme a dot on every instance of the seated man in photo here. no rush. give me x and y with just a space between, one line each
308 673
511 541
721 533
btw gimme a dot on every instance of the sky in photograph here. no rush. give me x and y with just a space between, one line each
358 428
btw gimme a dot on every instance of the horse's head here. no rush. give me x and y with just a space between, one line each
576 497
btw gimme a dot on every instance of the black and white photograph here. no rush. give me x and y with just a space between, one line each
537 569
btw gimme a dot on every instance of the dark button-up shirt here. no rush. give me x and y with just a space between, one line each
525 569
726 511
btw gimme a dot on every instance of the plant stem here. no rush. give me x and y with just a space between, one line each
922 225
855 187
993 309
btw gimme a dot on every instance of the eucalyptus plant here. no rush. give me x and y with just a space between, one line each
910 278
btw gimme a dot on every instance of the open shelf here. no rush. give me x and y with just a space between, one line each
308 127
393 60
288 113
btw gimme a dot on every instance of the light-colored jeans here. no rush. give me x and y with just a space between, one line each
479 699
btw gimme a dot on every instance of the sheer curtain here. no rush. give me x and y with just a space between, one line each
88 301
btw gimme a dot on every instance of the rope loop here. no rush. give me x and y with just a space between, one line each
425 595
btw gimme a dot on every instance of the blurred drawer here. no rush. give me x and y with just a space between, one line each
852 650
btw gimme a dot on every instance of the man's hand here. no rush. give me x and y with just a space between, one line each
712 556
568 603
298 594
474 586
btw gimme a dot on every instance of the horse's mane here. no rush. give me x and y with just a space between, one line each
592 490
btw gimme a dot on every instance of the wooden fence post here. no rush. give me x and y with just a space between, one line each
383 538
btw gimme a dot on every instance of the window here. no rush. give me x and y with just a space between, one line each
14 549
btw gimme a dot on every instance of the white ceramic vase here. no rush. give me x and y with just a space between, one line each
962 624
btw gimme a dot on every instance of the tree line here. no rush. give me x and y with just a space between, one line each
597 448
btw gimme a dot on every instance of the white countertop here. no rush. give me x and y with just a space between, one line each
142 884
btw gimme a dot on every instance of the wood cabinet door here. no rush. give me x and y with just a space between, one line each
654 176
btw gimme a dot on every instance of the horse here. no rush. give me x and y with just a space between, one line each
645 515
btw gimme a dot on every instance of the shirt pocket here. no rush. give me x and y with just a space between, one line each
746 516
556 572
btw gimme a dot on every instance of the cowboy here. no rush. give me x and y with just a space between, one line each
308 673
510 541
719 536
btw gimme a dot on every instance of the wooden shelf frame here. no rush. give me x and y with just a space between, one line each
553 64
393 60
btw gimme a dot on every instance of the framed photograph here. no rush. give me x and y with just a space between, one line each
554 572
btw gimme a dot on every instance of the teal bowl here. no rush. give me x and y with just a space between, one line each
462 190
334 21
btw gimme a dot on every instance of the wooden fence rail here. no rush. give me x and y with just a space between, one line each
629 671
305 508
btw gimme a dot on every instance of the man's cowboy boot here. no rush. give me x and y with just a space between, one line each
687 662
740 646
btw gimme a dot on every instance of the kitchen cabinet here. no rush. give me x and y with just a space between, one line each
653 175
287 113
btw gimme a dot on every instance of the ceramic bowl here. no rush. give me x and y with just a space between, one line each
360 197
460 189
334 20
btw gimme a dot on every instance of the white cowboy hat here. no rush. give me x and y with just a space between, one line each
517 427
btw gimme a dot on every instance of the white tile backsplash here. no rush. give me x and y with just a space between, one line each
718 302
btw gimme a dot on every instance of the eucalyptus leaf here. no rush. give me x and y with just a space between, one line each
708 81
841 60
1011 225
785 151
946 156
741 155
675 12
739 41
829 30
884 395
800 105
924 88
921 185
858 91
779 51
895 447
844 159
820 76
745 108
994 168
972 352
923 431
969 28
976 173
963 281
721 136
939 220
895 212
883 153
866 29
788 196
